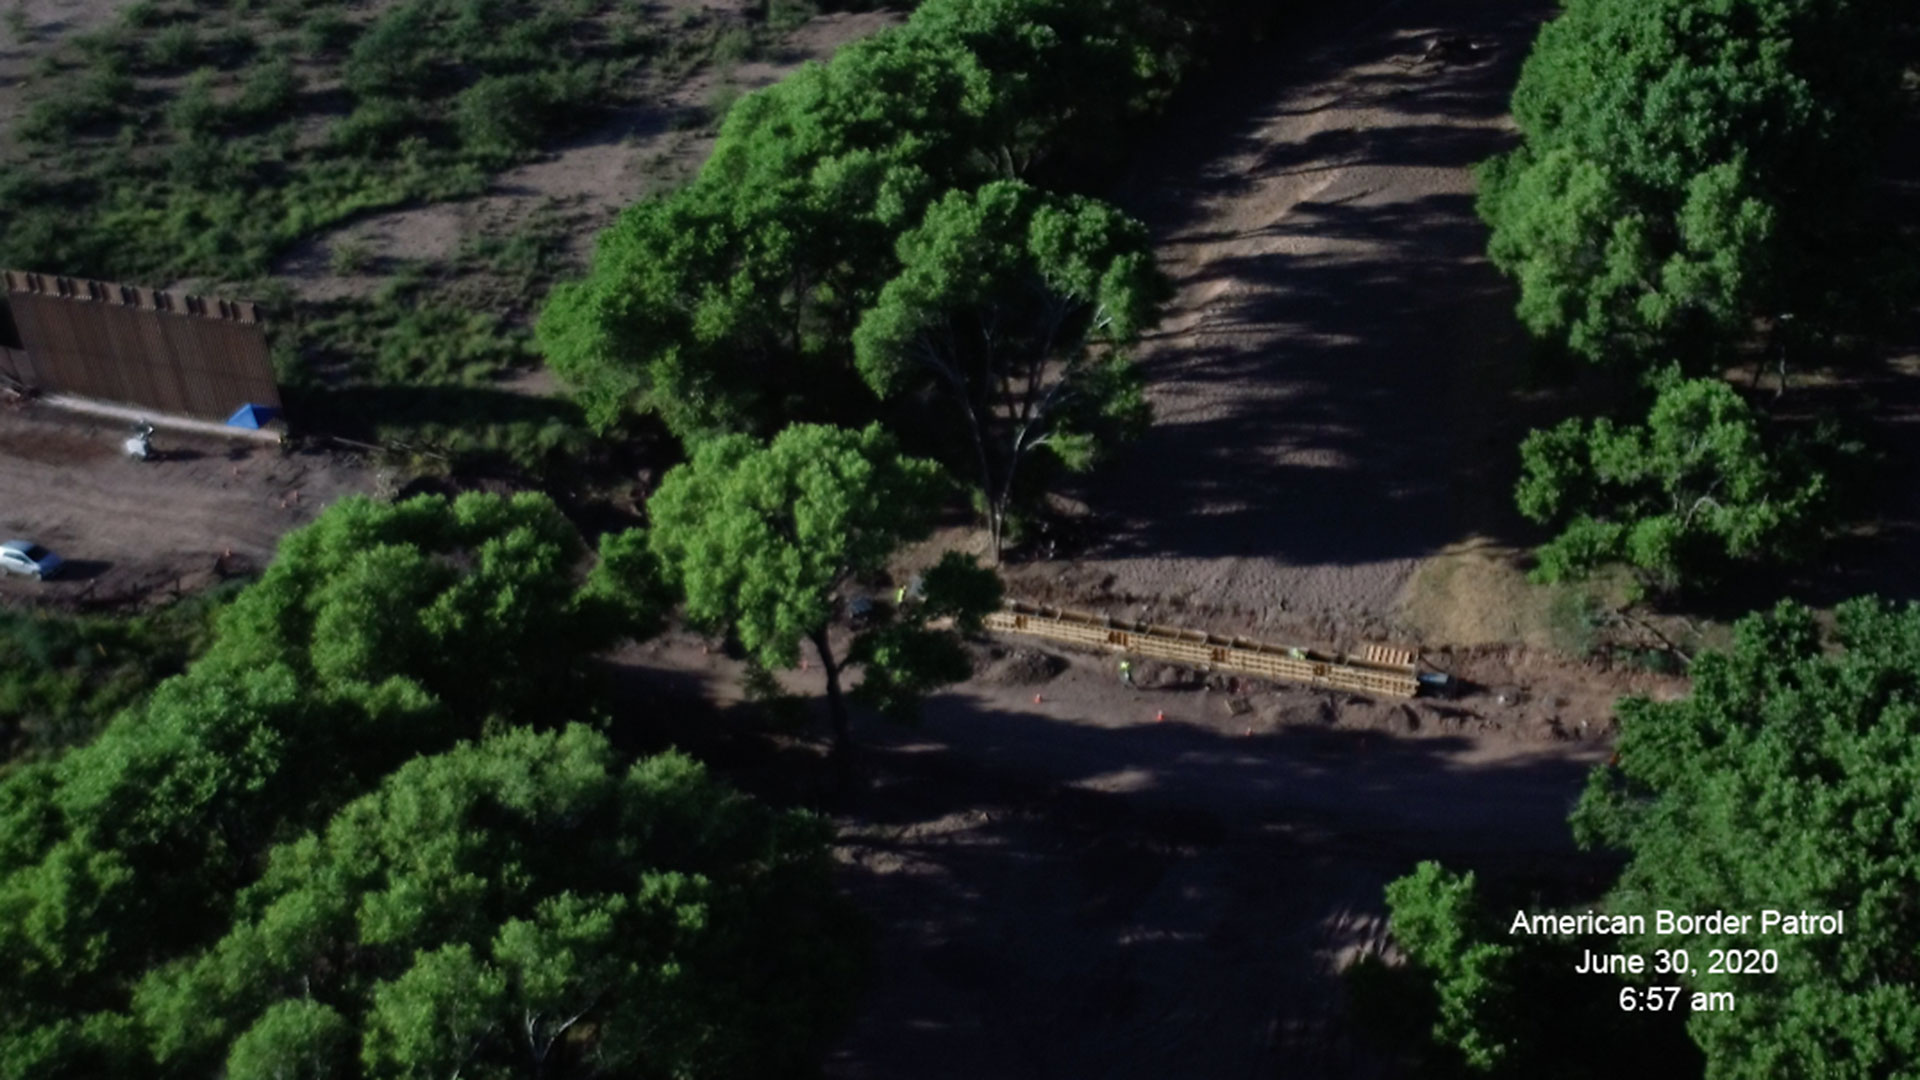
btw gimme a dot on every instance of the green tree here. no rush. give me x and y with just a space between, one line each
1475 1000
296 1039
764 539
725 306
1016 307
1069 76
1700 487
1688 169
1436 919
525 908
1784 781
381 632
473 600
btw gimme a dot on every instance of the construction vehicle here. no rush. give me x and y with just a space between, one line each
139 445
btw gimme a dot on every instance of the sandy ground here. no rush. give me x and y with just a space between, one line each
1326 383
48 22
131 530
589 179
1064 884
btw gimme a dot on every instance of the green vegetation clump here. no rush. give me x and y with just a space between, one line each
1696 187
575 906
1690 172
66 676
1698 491
732 305
364 832
764 542
439 93
1777 784
297 116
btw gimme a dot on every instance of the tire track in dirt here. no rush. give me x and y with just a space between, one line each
126 526
1316 217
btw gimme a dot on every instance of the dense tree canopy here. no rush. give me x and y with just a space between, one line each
763 541
730 304
1789 779
725 306
1696 490
1012 305
1475 999
523 907
1785 781
1688 168
381 632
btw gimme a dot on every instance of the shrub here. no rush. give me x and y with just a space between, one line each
194 111
502 115
140 15
173 47
91 102
267 90
375 125
734 45
287 14
393 57
784 15
202 162
19 27
231 46
327 31
349 256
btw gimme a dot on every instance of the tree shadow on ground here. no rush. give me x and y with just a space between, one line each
1332 378
1183 919
1311 417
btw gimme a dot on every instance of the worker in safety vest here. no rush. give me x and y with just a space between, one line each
1126 672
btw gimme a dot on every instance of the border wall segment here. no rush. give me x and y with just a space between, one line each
147 348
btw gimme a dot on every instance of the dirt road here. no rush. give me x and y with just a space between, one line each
129 528
1071 887
1322 384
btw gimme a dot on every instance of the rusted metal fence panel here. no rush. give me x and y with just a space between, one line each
1380 669
15 366
186 355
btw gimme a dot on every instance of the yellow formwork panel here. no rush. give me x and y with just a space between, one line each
1381 669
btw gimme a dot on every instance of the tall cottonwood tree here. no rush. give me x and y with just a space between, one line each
524 907
381 631
1692 171
727 306
1701 489
1016 307
1783 781
764 540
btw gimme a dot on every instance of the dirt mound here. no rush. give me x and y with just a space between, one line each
1019 667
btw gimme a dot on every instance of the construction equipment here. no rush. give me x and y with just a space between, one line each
1379 669
139 445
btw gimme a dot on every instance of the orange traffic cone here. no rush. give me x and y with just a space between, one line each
1036 699
1159 717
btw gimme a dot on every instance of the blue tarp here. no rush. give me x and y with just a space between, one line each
252 416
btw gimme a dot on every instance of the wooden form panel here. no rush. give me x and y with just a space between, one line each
1380 670
187 355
